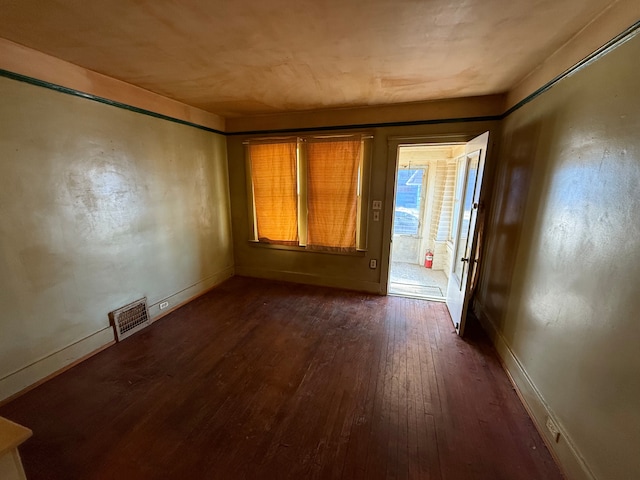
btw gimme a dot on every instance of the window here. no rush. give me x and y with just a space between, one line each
461 170
406 217
308 192
274 175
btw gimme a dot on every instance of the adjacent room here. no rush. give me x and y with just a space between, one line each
272 240
423 220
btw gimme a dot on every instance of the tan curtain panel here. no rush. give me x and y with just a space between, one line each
273 173
332 193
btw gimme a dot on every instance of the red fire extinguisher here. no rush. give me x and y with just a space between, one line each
428 259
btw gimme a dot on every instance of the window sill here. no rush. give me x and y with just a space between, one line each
270 246
407 235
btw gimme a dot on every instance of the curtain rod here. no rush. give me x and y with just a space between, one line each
307 137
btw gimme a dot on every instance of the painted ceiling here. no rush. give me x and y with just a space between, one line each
249 57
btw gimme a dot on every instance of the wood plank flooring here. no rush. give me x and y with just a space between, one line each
268 380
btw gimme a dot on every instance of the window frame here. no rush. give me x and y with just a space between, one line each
362 189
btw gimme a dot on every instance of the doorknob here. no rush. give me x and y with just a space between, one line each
464 259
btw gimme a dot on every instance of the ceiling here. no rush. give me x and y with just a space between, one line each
249 57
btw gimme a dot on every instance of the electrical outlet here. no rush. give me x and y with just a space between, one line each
373 263
376 216
377 204
553 429
164 305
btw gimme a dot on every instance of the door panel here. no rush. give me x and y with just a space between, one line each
465 233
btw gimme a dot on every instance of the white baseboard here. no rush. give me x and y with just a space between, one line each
187 294
310 279
564 451
38 371
41 370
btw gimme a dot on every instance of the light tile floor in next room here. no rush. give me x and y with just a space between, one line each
413 280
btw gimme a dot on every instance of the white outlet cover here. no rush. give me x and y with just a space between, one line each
377 204
553 429
376 216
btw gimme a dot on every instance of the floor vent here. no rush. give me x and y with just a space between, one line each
129 319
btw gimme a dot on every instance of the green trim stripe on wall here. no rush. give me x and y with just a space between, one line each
76 93
616 41
607 47
368 125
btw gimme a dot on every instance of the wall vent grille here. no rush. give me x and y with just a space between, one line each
130 319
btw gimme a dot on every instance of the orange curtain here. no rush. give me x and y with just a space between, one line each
273 172
332 195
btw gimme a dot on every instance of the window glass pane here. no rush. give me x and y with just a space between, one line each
406 217
461 169
467 207
274 180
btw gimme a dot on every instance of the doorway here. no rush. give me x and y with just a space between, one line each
437 202
423 220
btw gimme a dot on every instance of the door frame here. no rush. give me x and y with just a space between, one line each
390 191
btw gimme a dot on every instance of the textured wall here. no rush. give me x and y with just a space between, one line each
99 206
560 280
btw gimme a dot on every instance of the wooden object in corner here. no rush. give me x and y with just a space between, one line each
12 436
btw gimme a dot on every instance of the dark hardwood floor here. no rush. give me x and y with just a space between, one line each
268 380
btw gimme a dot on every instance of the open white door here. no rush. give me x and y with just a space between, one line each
470 172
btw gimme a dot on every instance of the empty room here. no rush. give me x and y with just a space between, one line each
332 240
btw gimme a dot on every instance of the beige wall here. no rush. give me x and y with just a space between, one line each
26 61
99 206
466 107
559 287
347 271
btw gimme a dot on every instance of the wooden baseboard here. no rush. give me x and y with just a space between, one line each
27 378
564 451
310 279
